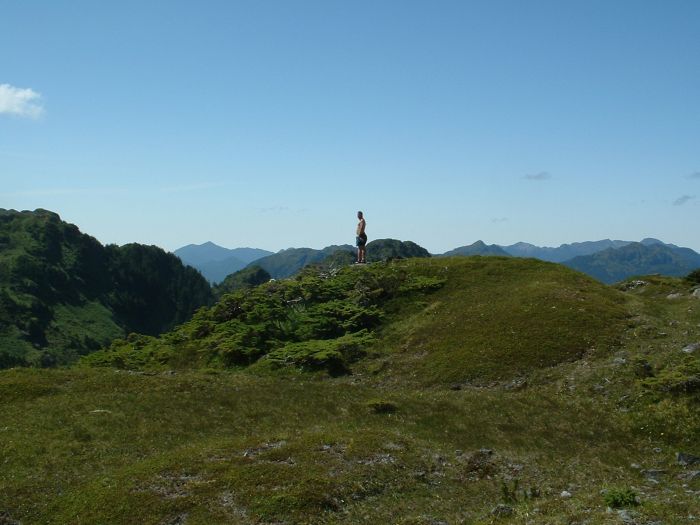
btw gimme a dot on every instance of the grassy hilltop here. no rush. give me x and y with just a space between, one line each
422 391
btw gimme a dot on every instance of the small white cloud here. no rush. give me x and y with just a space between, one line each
22 102
497 220
542 175
680 201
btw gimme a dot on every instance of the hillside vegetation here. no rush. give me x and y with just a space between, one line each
63 294
477 390
432 320
613 265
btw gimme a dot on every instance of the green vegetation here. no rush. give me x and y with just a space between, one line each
614 265
444 390
387 249
286 263
241 280
477 248
62 294
500 318
319 319
693 277
620 498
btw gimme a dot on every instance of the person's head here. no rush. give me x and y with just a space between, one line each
359 214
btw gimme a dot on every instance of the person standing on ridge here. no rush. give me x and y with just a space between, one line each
361 239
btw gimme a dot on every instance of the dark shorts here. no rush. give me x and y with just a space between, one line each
360 241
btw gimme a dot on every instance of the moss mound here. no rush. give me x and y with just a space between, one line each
499 317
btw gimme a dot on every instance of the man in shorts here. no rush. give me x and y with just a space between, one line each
361 239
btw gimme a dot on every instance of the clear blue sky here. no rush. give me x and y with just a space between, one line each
270 123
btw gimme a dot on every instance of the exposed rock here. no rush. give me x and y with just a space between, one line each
516 384
692 347
654 473
626 517
687 459
565 494
690 475
252 452
480 464
674 296
696 293
378 459
633 284
502 510
180 519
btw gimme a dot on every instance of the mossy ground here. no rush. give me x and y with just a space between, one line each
99 445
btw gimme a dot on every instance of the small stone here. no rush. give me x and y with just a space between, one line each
502 510
687 459
565 494
654 474
634 284
635 466
626 517
658 450
619 361
692 347
674 296
455 386
696 293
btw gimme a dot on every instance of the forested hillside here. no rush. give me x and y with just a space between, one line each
63 294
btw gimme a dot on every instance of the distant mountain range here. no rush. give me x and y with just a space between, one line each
216 262
478 248
288 262
563 252
636 259
606 260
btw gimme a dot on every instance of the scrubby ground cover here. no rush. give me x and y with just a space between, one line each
587 435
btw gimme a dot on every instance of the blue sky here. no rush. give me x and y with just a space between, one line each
270 123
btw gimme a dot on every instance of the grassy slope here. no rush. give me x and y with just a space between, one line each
108 446
497 318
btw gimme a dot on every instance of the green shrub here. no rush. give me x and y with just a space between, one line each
693 277
621 498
